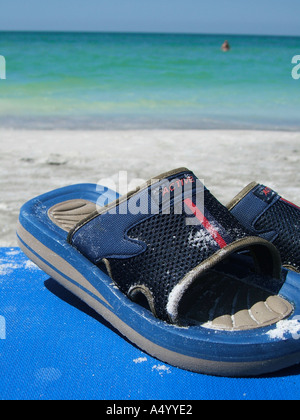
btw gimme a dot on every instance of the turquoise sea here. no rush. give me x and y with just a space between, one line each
120 80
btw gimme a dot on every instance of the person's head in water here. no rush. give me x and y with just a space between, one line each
225 46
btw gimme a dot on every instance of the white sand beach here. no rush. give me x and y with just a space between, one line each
34 162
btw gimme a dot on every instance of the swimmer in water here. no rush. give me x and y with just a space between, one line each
225 47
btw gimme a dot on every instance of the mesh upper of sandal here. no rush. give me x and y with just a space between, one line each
264 213
166 253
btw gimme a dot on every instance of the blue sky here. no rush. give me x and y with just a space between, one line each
270 17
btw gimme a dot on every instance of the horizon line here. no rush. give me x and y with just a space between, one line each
143 32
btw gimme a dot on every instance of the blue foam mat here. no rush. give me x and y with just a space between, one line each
52 346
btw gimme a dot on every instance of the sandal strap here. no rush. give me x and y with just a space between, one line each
268 215
162 237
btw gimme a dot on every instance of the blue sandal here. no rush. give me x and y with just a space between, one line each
264 213
171 269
